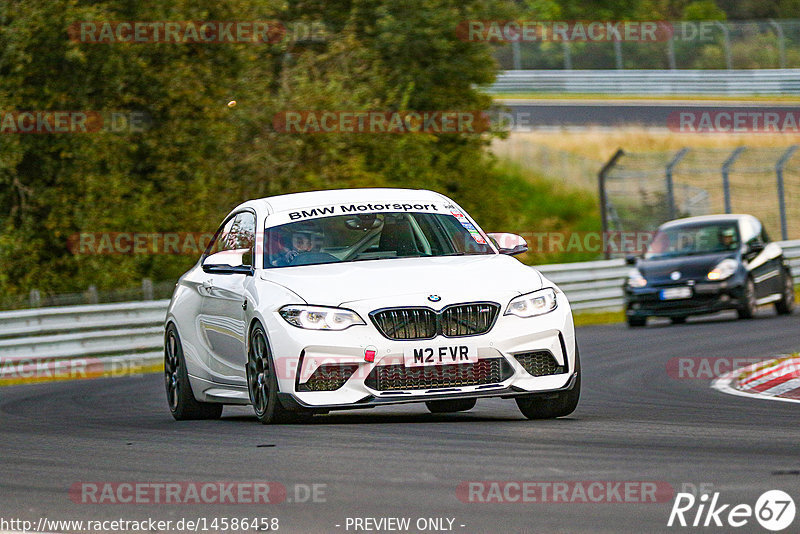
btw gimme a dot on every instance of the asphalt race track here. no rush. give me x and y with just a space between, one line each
634 423
532 114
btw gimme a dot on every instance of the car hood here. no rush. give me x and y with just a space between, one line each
456 279
689 267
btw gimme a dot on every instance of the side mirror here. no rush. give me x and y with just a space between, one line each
510 244
228 262
630 260
755 247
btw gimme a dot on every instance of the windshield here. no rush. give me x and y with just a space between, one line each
373 236
694 239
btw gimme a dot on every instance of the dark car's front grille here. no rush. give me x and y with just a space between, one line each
458 320
399 377
539 363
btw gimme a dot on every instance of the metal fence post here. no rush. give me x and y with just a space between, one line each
670 186
515 55
601 184
91 295
35 298
781 44
726 36
779 166
618 53
671 53
567 56
147 289
726 167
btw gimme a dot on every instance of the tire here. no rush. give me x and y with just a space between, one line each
450 406
636 322
678 320
550 406
748 308
180 398
786 304
262 381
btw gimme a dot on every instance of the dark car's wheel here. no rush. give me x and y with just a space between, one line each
449 406
262 381
786 304
748 307
678 320
635 322
548 406
180 397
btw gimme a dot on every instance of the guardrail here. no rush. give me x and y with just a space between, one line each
76 341
650 82
119 334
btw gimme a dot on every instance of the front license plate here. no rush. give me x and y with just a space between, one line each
440 355
676 293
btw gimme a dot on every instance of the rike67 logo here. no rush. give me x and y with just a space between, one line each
774 510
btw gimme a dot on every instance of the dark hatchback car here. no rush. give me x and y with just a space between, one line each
707 264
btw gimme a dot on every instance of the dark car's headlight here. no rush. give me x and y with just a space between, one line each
723 270
533 304
320 317
635 278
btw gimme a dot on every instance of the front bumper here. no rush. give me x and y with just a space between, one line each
706 297
299 353
292 402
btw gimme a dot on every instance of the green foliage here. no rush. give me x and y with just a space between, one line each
198 157
703 10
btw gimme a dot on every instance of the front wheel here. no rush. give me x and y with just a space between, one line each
180 397
549 406
748 308
786 304
262 381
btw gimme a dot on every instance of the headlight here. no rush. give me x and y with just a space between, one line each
635 278
532 304
320 317
723 270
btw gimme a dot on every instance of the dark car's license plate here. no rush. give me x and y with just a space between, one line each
674 293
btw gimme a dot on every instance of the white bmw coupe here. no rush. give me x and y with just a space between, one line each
327 300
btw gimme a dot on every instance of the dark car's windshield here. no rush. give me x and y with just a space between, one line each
687 240
370 236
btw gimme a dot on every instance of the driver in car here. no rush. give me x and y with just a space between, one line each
727 239
302 241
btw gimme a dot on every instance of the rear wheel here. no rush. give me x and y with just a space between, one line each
678 320
180 397
549 406
635 322
450 406
748 308
786 304
262 381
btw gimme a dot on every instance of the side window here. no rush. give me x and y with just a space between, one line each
237 236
